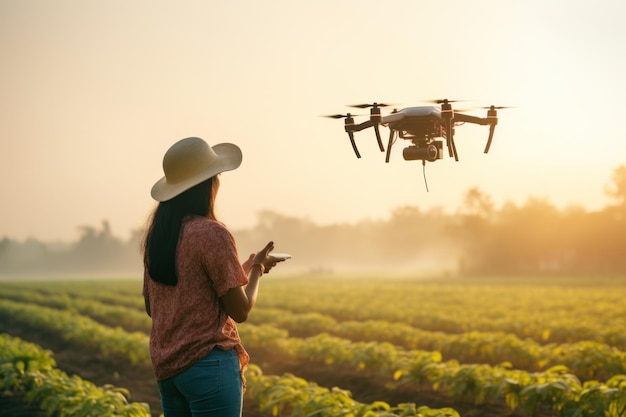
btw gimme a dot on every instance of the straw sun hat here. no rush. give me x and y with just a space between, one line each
190 161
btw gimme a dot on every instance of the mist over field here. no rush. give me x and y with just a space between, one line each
479 238
410 241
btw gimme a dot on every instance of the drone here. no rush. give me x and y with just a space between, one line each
421 125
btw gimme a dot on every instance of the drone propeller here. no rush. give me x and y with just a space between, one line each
365 106
341 116
497 107
444 101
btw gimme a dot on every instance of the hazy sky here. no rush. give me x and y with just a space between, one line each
94 92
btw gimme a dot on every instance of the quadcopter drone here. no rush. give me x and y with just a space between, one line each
422 126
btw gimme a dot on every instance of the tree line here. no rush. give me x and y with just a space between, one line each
478 238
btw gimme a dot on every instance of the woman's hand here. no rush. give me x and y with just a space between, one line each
239 301
264 258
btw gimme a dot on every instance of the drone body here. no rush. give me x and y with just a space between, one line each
422 126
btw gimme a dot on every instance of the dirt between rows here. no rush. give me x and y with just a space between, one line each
139 380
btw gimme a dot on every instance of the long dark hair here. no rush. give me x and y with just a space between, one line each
159 248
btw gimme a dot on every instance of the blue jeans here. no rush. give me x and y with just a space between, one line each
210 388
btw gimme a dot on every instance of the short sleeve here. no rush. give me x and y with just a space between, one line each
220 259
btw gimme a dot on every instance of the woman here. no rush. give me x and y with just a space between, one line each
194 287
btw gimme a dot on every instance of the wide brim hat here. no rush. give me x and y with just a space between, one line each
191 161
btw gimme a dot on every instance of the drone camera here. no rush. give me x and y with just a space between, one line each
426 152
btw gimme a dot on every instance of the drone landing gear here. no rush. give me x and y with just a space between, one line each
380 142
492 114
452 149
392 134
356 151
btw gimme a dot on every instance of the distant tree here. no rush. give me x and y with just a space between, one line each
474 225
477 204
97 250
536 235
617 188
516 239
612 224
5 255
5 244
407 230
577 228
413 236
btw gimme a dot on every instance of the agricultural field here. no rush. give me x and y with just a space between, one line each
336 346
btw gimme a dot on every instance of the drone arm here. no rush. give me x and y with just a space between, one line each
491 120
357 128
360 126
466 118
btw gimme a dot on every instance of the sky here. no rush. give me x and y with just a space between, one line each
94 92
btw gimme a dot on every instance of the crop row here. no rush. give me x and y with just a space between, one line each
71 396
546 314
25 367
288 395
481 382
60 294
555 387
97 306
587 360
80 330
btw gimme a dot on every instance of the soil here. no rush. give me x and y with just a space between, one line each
139 380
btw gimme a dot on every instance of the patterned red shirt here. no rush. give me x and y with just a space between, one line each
187 319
